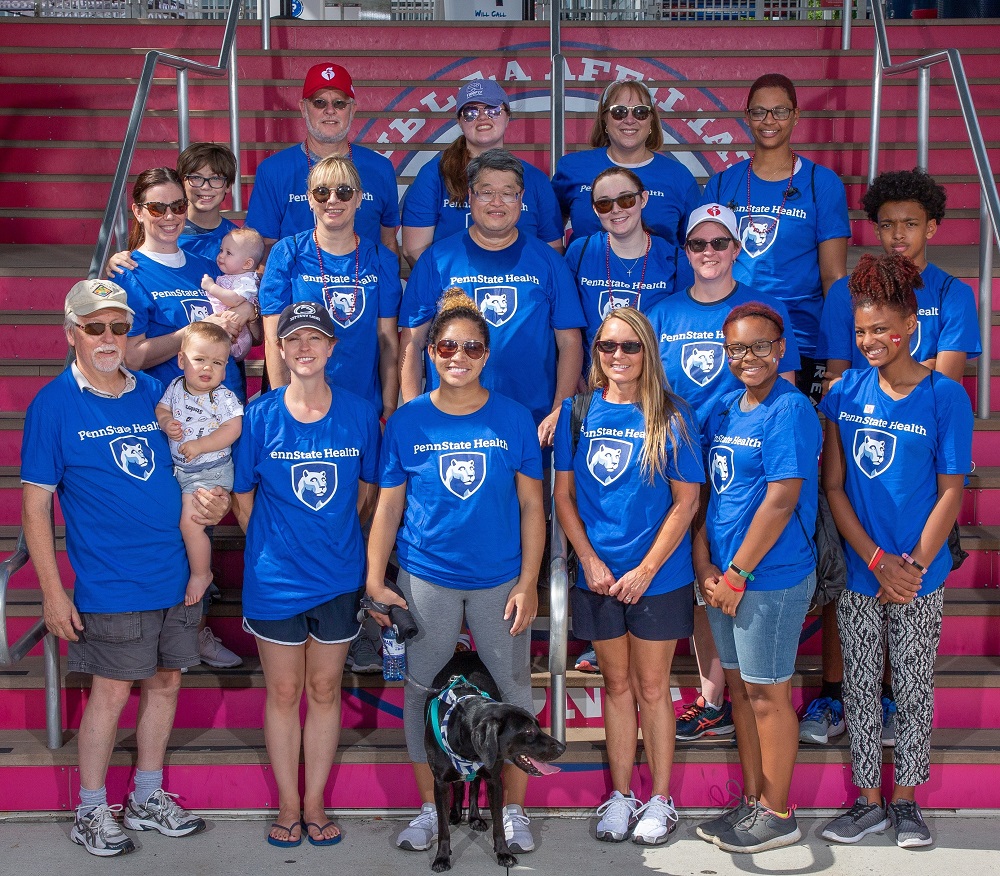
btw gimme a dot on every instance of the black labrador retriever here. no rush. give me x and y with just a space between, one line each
469 733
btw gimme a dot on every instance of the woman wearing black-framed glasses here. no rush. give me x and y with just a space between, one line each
627 133
355 278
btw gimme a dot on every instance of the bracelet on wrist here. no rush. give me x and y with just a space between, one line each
873 562
729 583
745 575
914 563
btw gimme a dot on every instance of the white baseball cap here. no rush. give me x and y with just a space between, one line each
713 213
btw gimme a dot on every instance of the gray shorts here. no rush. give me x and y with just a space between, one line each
220 475
130 645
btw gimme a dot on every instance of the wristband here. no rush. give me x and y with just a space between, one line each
873 562
914 563
746 576
730 584
383 420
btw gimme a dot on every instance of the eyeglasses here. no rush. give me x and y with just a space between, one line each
779 113
488 196
718 244
214 182
471 113
760 349
157 209
625 201
322 103
629 347
447 348
640 112
343 192
96 329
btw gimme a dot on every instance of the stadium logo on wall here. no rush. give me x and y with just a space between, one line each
497 303
314 483
702 361
874 450
134 456
608 458
723 469
462 473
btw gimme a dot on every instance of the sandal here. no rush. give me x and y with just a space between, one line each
330 841
285 843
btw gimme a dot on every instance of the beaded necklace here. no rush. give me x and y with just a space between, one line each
322 274
781 210
645 259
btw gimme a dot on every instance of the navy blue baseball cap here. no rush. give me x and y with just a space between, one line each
305 314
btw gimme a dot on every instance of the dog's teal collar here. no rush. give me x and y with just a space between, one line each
439 724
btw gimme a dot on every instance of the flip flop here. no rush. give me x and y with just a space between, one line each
285 843
332 841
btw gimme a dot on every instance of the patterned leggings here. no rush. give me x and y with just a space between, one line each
913 632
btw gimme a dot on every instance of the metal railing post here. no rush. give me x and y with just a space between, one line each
876 119
183 112
557 82
53 693
558 626
234 128
983 369
845 25
923 117
265 24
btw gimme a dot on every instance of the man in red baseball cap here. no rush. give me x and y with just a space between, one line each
278 203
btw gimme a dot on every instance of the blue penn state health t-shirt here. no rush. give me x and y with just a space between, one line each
204 242
894 449
279 205
293 274
621 511
524 291
780 253
426 204
946 321
304 543
111 466
777 440
462 527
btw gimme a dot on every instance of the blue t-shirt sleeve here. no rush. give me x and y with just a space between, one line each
691 198
531 453
275 293
562 186
390 289
372 446
423 199
391 471
791 444
792 360
41 451
836 325
959 320
711 193
422 291
567 313
831 202
263 212
547 211
689 466
246 451
386 175
684 279
953 454
563 440
138 299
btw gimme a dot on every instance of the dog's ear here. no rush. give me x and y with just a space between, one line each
484 741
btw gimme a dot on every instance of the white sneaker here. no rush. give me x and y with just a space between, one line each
161 813
618 814
516 830
99 833
421 833
659 820
213 653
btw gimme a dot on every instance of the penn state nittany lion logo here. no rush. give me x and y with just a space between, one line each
608 459
613 300
134 456
314 483
345 307
757 233
497 303
196 309
874 451
721 462
702 361
462 473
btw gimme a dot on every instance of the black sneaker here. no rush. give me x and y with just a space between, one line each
760 831
700 719
709 830
911 829
860 820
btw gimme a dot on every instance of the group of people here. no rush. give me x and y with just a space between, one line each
666 367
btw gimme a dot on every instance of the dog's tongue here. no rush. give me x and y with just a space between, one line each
546 769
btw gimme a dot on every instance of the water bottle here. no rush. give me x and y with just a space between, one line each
393 655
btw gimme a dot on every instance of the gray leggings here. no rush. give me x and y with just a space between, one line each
438 612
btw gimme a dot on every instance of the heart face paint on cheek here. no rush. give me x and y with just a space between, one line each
896 339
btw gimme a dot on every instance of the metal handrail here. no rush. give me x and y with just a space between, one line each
989 210
37 632
115 213
558 625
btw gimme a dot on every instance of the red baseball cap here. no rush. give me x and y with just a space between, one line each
327 76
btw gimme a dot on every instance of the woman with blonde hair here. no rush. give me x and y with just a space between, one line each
628 479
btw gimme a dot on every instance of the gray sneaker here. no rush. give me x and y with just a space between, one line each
860 820
709 830
362 656
911 829
162 814
760 831
98 832
888 722
823 719
421 833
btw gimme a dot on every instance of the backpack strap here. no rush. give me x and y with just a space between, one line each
577 414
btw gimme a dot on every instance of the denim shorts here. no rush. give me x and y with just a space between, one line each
220 475
763 639
329 623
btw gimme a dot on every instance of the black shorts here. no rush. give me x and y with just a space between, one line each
329 623
660 618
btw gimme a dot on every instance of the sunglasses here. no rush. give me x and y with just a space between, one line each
718 244
629 347
343 192
640 112
626 202
158 209
448 348
96 329
196 181
471 113
760 349
759 113
322 103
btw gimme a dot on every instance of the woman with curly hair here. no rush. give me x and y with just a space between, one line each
897 448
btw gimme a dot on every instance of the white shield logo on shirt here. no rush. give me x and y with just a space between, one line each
345 304
757 235
314 483
608 458
702 361
618 298
497 303
723 468
134 456
874 451
462 473
196 309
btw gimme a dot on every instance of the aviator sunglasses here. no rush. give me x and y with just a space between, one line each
343 192
718 244
625 201
640 112
96 329
157 209
338 104
471 113
447 348
629 347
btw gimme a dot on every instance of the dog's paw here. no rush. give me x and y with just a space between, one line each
478 824
455 816
441 864
506 859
